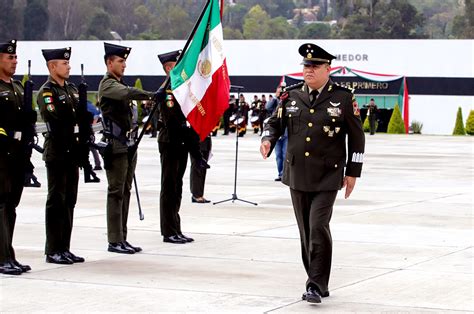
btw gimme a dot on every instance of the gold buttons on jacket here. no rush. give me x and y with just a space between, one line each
308 139
310 124
333 120
306 154
311 110
335 165
289 115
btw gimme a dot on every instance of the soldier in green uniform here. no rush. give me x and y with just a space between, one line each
12 156
319 116
115 100
58 100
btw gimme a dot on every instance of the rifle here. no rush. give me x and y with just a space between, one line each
86 135
29 132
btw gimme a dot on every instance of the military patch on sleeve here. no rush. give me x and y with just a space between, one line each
170 103
48 99
355 106
50 108
46 94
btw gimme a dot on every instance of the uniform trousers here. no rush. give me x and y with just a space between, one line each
372 120
12 172
198 175
63 179
313 211
174 157
119 178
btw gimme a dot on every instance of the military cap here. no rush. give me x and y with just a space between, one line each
8 47
313 54
116 50
169 56
57 54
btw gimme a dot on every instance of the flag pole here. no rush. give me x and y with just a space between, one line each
166 84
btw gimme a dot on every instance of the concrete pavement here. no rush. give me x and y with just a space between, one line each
403 242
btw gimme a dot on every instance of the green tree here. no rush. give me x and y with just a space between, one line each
174 23
278 28
255 23
231 33
99 26
234 16
9 20
315 31
459 125
35 19
396 125
470 123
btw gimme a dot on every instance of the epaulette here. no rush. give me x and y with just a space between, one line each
336 86
284 96
71 84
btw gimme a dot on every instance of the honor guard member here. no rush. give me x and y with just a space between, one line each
120 159
372 115
175 140
58 101
12 156
320 116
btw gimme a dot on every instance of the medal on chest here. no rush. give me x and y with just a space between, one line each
169 101
329 132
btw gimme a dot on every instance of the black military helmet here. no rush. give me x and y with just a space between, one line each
313 54
169 56
116 50
8 47
57 54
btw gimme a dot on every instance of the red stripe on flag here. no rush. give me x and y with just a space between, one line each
213 104
406 107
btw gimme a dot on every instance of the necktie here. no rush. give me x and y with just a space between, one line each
313 95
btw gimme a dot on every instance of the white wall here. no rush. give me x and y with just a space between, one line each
415 58
433 58
438 113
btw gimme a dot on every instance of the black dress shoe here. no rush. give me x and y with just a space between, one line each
311 295
58 258
323 295
201 200
187 239
74 258
278 179
119 247
9 268
175 239
135 248
24 268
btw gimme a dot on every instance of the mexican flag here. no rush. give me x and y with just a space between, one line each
199 81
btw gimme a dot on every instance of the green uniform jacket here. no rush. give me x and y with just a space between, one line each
115 103
12 123
316 151
58 106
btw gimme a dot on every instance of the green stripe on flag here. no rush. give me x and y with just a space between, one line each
187 65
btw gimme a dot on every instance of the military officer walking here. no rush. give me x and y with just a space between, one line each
12 156
319 116
58 101
115 100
